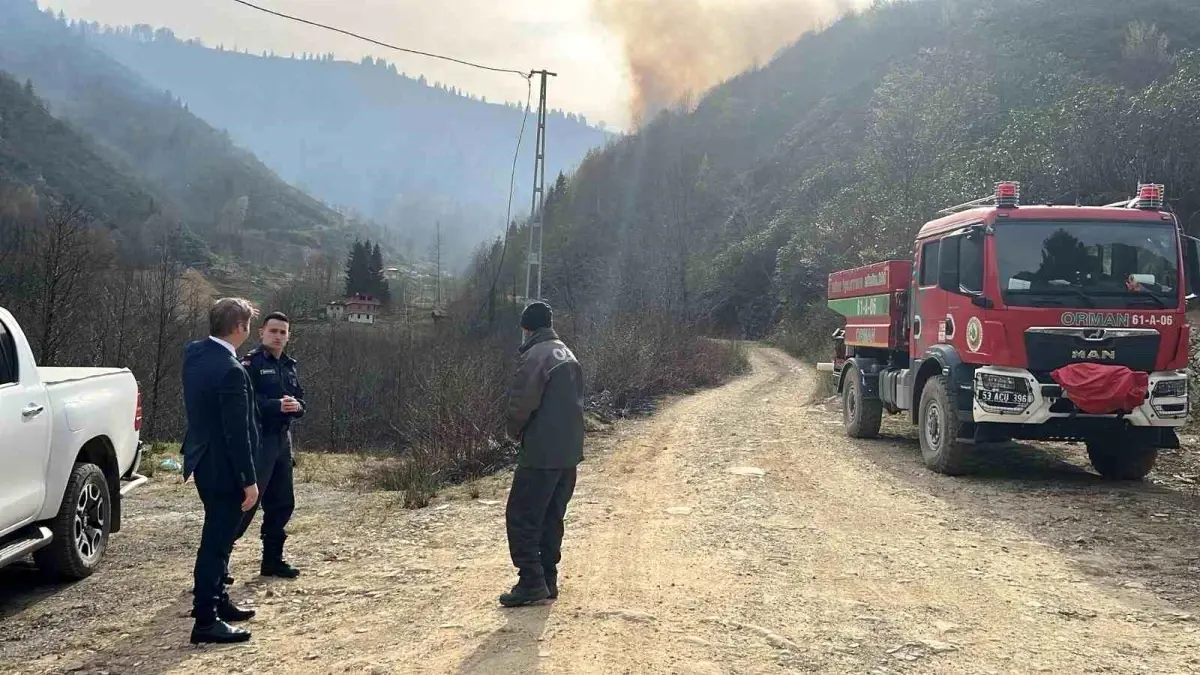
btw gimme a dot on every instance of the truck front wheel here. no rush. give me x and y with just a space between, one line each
861 416
938 430
81 527
1120 457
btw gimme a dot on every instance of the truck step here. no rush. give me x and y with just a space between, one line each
27 541
132 482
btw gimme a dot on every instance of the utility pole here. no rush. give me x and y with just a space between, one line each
439 265
533 270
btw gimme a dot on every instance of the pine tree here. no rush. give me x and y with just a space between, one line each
377 277
358 275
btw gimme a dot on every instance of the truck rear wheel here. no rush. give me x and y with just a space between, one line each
1120 457
81 527
861 416
938 430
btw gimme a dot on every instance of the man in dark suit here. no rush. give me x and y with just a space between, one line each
220 447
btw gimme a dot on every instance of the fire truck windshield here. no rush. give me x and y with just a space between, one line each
1088 264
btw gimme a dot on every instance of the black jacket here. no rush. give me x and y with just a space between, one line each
545 404
221 415
273 379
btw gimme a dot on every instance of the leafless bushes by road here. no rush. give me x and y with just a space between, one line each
435 397
642 357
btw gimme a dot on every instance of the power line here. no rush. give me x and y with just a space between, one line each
382 44
512 183
520 135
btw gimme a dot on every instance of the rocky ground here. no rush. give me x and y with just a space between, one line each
736 531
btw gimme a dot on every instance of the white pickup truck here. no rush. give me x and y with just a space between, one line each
69 450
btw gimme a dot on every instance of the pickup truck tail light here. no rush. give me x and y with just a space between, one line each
137 414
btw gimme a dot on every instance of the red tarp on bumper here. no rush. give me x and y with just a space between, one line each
1102 390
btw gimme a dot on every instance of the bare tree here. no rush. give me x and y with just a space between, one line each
62 257
166 316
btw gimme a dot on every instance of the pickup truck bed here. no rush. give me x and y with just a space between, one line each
52 376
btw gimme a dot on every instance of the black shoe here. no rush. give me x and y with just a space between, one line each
520 595
552 587
228 580
279 568
227 611
219 632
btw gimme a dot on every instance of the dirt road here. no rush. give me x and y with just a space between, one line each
737 531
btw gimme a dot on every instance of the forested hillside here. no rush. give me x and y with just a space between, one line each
195 172
400 150
40 154
832 155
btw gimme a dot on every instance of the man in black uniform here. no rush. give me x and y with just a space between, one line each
545 413
280 401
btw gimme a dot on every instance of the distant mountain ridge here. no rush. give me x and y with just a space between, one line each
363 136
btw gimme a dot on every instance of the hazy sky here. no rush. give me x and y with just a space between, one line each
560 35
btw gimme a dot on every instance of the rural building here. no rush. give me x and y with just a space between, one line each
356 309
362 309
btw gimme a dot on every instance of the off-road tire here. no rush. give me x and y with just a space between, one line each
937 427
860 416
1119 457
63 558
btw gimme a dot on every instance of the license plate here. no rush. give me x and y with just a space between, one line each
1005 397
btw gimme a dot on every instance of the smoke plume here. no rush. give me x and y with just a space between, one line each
681 48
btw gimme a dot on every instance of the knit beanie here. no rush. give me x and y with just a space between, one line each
537 315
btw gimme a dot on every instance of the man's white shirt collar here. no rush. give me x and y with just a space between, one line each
226 345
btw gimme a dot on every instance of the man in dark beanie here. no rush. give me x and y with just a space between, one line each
545 414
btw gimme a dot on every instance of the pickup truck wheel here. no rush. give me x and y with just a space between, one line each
861 416
81 527
938 430
1118 457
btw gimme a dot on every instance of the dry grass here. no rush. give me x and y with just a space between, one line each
396 413
653 356
808 338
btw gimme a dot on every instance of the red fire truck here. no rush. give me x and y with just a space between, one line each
1029 322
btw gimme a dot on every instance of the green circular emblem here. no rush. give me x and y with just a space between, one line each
974 334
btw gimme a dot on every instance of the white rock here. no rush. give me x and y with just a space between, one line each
938 647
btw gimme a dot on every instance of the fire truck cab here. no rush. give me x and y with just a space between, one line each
1029 322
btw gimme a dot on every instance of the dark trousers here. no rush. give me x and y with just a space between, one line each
222 501
534 519
275 494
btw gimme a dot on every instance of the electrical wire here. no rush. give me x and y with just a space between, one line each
512 182
316 24
512 185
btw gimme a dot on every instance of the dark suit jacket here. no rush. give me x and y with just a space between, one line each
222 418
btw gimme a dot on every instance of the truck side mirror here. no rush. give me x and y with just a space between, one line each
948 264
1191 261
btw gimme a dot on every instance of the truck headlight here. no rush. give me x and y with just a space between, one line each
1170 389
1169 398
1006 394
